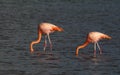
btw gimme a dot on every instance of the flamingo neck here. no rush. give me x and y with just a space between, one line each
36 41
81 46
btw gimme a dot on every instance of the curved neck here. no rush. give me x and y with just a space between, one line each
36 41
81 46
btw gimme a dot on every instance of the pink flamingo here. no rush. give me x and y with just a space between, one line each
45 28
93 37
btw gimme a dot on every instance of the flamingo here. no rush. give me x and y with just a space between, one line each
45 28
93 37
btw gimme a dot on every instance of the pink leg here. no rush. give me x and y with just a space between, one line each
94 49
50 42
45 43
94 53
99 48
51 47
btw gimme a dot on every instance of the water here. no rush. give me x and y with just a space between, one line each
18 25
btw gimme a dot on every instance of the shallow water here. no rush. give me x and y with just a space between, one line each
18 25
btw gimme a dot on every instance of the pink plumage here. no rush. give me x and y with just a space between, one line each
93 37
45 28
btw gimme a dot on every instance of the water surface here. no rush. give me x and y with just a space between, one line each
18 25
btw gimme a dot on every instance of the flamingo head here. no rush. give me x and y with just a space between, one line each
58 29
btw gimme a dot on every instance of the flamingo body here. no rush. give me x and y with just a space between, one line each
45 28
93 37
96 36
48 28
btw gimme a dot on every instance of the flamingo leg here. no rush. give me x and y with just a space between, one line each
50 42
94 49
99 48
45 43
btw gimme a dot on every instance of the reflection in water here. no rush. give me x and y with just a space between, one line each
94 65
96 61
